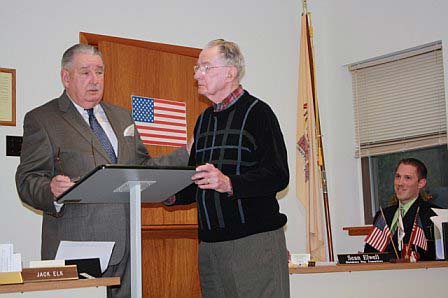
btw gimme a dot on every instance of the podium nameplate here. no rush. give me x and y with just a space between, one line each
49 273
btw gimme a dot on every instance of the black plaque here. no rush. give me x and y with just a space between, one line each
364 258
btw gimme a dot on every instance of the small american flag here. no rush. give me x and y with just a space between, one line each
418 237
160 122
379 237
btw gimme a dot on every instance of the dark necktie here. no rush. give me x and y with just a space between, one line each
102 136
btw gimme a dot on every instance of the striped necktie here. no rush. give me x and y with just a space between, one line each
101 134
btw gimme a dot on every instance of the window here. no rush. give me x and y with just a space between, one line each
400 111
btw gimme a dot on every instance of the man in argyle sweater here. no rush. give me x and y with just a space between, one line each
241 164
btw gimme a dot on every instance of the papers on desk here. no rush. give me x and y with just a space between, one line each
442 216
72 250
9 261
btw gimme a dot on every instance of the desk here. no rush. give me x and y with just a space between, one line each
410 280
85 288
368 267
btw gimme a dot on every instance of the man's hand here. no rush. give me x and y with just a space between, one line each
209 177
59 184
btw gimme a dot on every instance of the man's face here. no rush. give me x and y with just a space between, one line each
406 183
84 80
215 82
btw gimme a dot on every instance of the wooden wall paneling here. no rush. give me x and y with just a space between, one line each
159 215
173 255
169 234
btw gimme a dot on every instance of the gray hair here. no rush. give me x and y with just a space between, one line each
231 53
67 58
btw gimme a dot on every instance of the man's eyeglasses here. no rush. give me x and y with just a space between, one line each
206 68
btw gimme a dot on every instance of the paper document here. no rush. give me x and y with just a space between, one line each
72 250
442 216
9 261
47 263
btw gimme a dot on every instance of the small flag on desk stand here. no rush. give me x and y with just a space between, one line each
418 237
380 235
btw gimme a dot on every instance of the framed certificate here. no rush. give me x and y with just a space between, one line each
7 96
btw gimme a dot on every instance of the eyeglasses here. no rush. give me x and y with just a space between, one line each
206 68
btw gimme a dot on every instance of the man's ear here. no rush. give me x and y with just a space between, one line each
231 73
421 183
65 77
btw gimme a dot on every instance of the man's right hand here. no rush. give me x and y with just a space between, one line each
59 184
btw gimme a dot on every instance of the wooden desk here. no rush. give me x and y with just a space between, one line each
86 288
410 280
368 267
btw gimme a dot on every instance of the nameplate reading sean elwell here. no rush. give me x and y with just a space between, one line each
364 258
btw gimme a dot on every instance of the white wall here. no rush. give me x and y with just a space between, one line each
35 33
349 31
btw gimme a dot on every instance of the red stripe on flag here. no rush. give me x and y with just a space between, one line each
170 123
160 129
170 109
162 136
170 102
169 116
163 143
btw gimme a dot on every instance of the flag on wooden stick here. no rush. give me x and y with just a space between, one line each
418 236
309 158
380 236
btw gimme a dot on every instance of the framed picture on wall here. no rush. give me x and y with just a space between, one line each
7 96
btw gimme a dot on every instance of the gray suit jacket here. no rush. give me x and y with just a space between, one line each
58 126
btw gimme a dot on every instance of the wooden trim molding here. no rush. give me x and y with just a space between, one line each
358 231
368 267
59 285
366 190
169 227
94 39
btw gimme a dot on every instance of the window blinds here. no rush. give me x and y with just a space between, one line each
399 101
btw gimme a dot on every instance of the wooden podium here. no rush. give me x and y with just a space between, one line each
170 251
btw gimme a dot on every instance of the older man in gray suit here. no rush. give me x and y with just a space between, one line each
67 137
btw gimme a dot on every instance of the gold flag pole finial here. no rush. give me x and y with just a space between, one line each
304 6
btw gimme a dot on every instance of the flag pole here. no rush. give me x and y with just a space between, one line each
390 235
414 230
321 160
304 7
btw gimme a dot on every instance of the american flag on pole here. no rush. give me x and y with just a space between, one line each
380 235
418 237
160 122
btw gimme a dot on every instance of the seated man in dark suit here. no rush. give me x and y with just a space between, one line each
402 217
